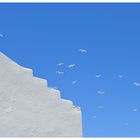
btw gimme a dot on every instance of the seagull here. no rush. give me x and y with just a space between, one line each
100 107
101 92
74 82
98 75
137 84
71 65
126 124
120 76
83 50
94 116
1 35
60 64
54 88
60 72
135 109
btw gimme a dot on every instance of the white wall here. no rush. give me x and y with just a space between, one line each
29 108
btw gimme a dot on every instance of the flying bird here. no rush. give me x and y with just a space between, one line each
60 72
55 88
94 116
74 82
60 64
1 35
83 50
71 65
100 92
135 109
126 124
120 76
137 84
98 76
100 107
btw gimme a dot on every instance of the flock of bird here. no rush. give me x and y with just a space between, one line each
98 76
70 66
102 93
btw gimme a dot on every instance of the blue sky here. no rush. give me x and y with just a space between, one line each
39 36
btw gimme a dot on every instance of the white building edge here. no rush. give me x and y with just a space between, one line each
29 108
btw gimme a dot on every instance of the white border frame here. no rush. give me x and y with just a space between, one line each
70 1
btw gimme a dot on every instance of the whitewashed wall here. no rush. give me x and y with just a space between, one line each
29 108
